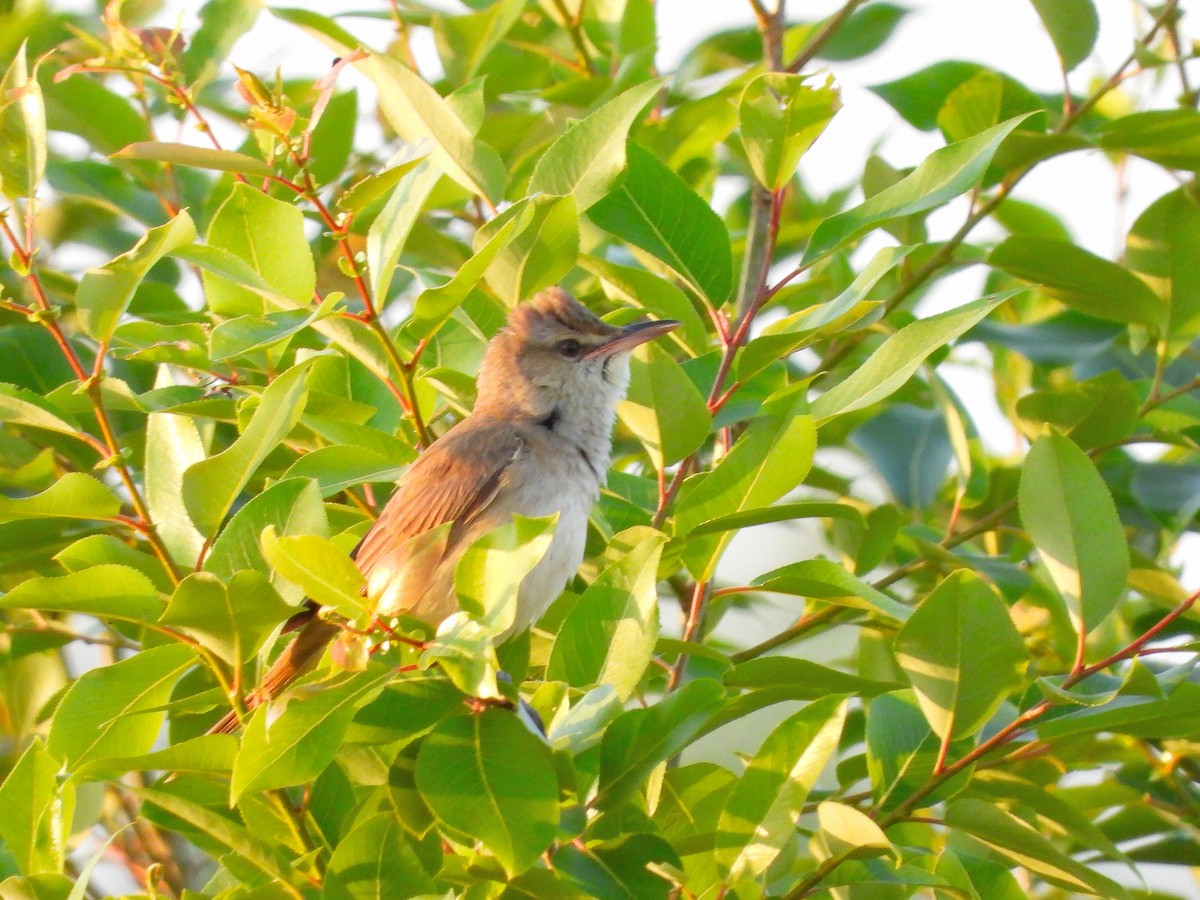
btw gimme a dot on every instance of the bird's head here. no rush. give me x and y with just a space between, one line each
556 354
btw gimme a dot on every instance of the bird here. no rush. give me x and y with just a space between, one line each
537 443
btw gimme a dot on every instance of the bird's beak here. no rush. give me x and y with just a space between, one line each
632 335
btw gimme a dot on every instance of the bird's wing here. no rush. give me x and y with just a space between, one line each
453 481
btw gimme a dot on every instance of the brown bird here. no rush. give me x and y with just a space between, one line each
536 443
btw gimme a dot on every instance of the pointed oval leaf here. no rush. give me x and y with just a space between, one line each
942 176
212 485
105 292
107 591
588 158
889 367
280 749
489 778
654 209
663 407
73 496
376 859
267 236
319 567
110 711
416 111
780 116
1080 280
608 636
196 157
1161 246
763 808
1073 26
641 739
962 654
1070 515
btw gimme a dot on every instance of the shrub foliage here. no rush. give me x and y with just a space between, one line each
232 313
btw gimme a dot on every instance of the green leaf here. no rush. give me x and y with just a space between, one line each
488 778
972 107
849 833
1010 837
319 567
280 749
799 329
663 407
785 512
390 230
196 157
222 22
1092 413
363 193
780 117
763 809
586 160
902 751
630 867
751 476
654 209
22 130
416 112
107 591
488 576
1080 280
649 291
1164 136
116 710
608 636
211 486
919 97
267 235
73 496
890 366
37 812
1070 516
1160 247
104 293
173 443
208 754
1073 26
942 176
242 335
465 651
376 859
222 831
337 468
465 42
20 406
829 582
640 740
233 622
290 507
434 307
539 252
962 654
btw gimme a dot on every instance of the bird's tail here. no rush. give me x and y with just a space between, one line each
307 647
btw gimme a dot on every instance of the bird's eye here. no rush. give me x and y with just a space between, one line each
570 348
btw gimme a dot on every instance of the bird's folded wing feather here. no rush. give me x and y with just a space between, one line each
455 480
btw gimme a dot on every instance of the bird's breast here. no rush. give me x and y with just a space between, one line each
559 483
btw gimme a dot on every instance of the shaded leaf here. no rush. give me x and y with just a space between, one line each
1067 510
962 654
487 777
654 209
